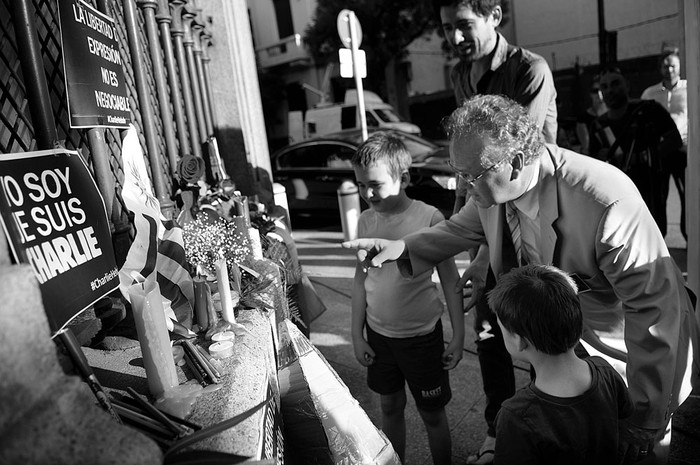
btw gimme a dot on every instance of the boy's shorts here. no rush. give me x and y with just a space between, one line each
416 361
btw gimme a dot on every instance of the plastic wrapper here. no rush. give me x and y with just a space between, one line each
323 423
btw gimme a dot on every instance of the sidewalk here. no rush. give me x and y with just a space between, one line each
331 269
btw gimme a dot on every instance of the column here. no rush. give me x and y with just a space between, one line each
164 19
206 43
188 21
146 109
197 31
177 32
148 7
691 18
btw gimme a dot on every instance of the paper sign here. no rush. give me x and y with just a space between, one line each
92 64
55 220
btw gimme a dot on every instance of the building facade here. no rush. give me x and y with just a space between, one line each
564 32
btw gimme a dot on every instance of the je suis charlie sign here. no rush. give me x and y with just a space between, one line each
55 220
93 67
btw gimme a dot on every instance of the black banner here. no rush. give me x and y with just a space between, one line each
93 67
55 220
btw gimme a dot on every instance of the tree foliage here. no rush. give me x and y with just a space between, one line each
388 27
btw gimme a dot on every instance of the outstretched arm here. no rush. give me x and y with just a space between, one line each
372 253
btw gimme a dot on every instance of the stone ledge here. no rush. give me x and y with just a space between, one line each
246 376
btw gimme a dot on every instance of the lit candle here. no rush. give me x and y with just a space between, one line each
152 332
224 290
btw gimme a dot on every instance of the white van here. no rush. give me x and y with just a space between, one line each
335 117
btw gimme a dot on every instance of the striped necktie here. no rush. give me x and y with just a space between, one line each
514 225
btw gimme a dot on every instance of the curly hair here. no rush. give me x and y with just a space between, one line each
384 147
499 120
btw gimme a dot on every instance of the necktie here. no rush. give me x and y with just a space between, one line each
514 225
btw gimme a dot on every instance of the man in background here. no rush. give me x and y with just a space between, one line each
640 138
671 93
488 64
586 119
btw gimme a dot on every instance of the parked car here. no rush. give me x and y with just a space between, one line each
312 171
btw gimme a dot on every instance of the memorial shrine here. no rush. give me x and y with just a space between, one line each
154 307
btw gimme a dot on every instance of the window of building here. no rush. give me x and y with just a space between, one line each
283 12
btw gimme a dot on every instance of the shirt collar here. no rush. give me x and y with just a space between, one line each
528 203
500 52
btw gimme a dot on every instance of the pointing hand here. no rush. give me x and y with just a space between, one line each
372 253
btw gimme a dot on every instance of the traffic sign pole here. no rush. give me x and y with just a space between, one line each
350 34
354 44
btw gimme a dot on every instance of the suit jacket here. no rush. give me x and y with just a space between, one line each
638 313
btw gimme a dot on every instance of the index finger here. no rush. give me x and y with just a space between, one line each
358 244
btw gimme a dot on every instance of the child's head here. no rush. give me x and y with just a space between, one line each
381 166
383 147
540 304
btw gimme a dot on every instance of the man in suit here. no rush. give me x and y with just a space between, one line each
540 204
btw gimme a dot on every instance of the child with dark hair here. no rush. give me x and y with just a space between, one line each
569 413
403 344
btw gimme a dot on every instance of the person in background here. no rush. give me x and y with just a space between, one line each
539 204
671 93
570 412
585 121
488 64
403 342
640 138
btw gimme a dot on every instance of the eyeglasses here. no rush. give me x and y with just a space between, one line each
473 179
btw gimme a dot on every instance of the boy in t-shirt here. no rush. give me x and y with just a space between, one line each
404 339
570 412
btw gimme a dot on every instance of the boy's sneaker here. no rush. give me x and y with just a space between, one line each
485 454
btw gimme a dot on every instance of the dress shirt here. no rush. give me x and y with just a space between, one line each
527 207
674 100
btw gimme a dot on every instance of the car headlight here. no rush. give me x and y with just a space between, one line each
445 181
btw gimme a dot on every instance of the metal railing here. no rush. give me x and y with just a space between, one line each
163 49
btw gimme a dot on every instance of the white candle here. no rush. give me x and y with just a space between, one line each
224 336
255 243
224 290
152 331
221 349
